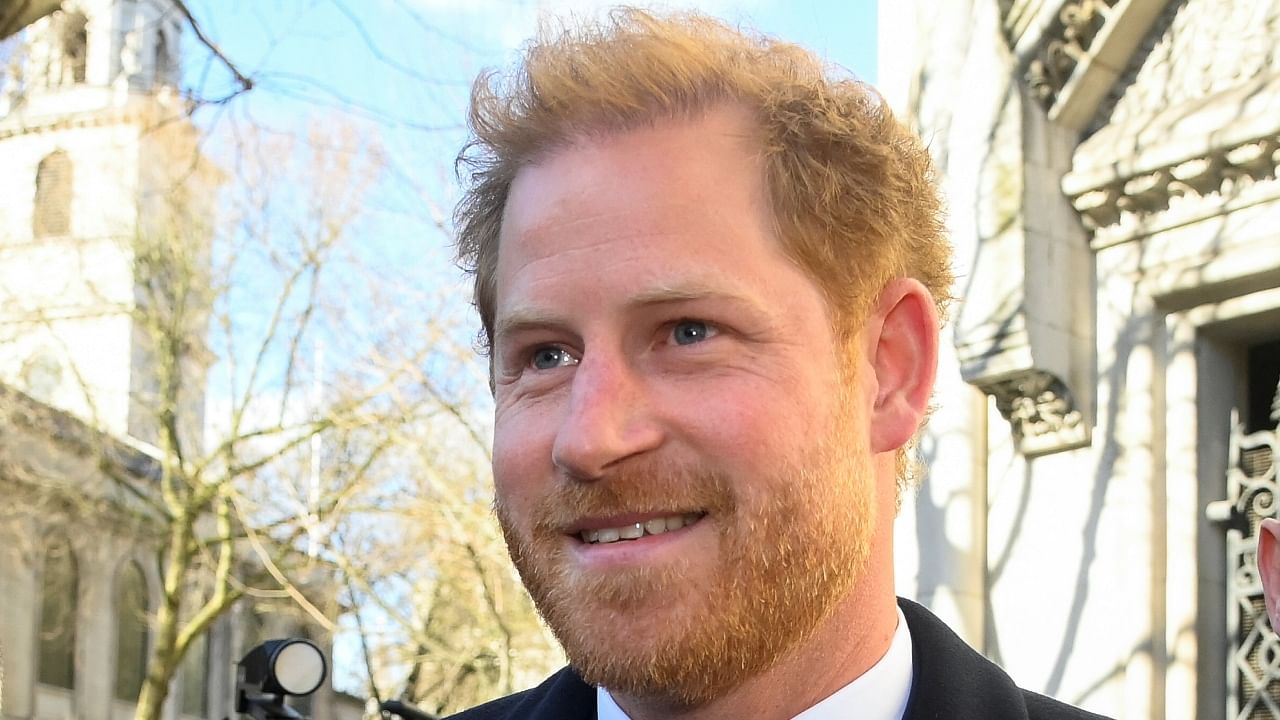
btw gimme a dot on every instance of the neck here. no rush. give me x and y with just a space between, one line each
852 638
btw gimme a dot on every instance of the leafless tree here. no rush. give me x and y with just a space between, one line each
307 401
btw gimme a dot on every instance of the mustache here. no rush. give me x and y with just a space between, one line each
644 486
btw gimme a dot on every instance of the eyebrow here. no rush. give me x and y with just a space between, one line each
532 318
525 319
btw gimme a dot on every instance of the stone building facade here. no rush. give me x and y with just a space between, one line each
94 137
1105 441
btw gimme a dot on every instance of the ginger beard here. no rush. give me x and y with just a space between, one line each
788 549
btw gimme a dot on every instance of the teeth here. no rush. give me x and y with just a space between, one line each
656 526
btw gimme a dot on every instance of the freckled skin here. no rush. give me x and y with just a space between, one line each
610 248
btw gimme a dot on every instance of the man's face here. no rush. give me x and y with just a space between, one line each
680 454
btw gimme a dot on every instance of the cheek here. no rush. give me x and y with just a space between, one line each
755 426
521 461
752 412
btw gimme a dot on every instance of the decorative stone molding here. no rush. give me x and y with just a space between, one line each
1188 160
1041 411
94 106
1064 46
1070 52
1223 173
105 107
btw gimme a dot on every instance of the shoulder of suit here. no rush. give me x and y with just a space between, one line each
498 709
953 680
1040 707
563 694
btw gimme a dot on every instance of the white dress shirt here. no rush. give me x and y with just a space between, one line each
880 693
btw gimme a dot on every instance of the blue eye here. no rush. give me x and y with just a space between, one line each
551 357
688 332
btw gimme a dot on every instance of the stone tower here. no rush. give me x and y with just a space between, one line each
97 152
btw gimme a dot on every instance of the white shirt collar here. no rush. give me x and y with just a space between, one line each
880 693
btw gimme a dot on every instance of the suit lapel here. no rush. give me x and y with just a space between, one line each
950 680
566 697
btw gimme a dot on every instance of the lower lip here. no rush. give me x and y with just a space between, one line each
645 549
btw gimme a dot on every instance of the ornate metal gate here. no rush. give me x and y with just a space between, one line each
1253 664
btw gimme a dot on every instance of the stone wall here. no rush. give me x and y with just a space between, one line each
1110 172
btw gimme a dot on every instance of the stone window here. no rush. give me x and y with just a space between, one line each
132 632
164 60
75 48
59 593
52 211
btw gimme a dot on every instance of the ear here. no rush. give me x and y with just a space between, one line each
1269 567
901 344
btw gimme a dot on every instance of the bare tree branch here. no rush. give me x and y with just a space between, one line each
245 82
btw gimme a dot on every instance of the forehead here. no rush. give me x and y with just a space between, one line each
701 179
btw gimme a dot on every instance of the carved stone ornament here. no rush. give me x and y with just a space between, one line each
1069 53
1221 174
1182 164
1065 45
1042 413
1183 137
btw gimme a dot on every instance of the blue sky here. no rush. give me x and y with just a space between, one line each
401 70
405 65
450 39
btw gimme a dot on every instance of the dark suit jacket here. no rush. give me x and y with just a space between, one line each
950 682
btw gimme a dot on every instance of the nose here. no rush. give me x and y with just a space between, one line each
608 418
